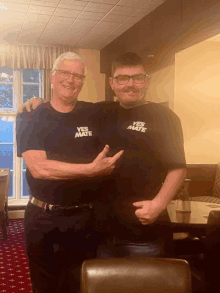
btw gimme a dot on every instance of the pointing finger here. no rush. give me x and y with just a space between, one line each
105 151
138 204
117 156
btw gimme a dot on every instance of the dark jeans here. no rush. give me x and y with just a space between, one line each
136 241
56 247
111 248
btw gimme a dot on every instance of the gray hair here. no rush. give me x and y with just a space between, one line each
67 56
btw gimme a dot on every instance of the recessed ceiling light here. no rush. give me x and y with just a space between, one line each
3 7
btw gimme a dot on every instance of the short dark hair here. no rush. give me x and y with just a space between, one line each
126 59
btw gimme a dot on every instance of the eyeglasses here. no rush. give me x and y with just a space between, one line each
137 78
66 74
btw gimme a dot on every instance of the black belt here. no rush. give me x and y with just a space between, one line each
57 208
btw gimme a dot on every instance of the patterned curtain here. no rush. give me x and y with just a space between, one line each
27 57
47 85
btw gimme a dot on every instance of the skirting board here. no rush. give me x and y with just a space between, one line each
19 214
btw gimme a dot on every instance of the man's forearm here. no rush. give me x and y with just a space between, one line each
55 170
42 168
171 185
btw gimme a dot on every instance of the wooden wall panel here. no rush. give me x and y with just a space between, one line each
148 36
197 10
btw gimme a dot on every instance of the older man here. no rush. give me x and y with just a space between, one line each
59 144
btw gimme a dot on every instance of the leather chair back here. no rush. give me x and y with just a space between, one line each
135 275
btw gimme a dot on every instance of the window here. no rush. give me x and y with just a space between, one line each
16 87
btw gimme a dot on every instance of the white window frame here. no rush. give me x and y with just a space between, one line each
18 162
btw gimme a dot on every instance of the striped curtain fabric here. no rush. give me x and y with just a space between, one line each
28 57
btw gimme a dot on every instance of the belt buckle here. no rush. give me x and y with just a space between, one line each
50 207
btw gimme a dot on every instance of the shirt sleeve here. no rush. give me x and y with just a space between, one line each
29 134
171 147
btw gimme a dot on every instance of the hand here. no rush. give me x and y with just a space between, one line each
103 165
30 105
147 212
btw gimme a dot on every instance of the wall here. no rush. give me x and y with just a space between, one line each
197 101
173 27
170 28
161 85
94 85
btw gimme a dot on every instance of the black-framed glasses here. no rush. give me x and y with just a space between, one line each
66 74
137 78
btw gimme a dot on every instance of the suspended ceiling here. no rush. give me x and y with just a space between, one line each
88 24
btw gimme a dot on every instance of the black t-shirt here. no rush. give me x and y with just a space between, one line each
67 137
152 138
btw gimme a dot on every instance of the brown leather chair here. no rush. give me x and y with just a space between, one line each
4 186
135 275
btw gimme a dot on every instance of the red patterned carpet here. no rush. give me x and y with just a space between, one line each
14 270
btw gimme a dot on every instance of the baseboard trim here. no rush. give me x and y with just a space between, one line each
18 214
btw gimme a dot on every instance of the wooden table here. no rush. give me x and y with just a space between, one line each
194 220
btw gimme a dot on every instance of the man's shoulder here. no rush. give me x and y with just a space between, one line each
41 110
163 111
107 105
84 105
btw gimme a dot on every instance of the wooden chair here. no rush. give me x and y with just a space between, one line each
214 197
135 275
4 187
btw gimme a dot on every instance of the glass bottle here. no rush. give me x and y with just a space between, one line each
183 198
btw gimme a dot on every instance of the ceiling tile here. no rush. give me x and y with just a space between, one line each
50 1
10 6
30 19
45 3
132 20
61 12
91 15
98 7
67 6
105 1
21 7
90 23
38 2
78 5
73 13
48 10
18 15
80 27
56 19
66 2
109 39
115 18
21 1
35 8
43 18
67 21
134 3
104 25
83 23
120 29
123 10
147 8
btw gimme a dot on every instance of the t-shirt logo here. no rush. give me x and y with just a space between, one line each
83 131
138 126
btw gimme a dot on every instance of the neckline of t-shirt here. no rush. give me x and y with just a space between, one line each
136 107
77 106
